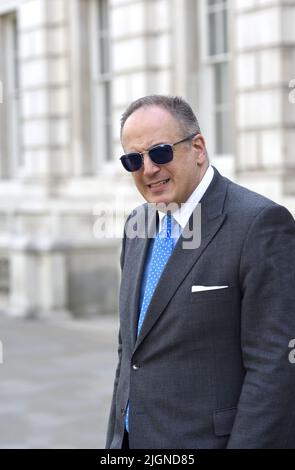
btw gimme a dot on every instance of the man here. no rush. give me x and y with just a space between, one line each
205 332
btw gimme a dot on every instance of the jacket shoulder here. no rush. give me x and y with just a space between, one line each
249 202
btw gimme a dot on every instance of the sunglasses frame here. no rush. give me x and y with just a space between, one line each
123 158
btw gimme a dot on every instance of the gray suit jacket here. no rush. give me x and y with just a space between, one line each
211 369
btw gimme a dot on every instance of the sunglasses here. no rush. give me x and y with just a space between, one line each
160 155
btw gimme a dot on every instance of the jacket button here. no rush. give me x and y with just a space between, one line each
135 367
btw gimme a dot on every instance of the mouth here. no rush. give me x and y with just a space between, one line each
158 184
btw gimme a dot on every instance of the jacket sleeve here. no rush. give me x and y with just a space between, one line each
266 413
112 415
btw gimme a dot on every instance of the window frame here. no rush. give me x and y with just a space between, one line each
10 119
101 75
212 61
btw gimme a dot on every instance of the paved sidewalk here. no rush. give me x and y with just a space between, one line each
56 381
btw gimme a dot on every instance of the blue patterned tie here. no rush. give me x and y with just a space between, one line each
162 250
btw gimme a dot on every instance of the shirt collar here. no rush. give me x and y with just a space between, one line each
183 214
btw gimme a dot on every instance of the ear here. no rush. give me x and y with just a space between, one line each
199 146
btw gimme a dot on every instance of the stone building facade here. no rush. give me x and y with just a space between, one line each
68 68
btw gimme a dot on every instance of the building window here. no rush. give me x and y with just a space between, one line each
92 85
9 108
218 56
104 75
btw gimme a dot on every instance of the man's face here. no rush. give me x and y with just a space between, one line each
173 181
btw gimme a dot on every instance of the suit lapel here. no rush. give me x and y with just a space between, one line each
134 271
182 260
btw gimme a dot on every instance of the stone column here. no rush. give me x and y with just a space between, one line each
38 279
44 82
141 53
264 55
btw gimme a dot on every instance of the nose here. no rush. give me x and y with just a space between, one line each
149 167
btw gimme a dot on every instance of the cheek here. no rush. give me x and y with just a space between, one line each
177 175
184 177
137 179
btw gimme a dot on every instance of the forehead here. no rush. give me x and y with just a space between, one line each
149 125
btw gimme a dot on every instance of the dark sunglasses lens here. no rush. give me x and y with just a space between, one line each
132 161
161 154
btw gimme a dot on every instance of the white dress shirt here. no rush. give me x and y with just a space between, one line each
186 209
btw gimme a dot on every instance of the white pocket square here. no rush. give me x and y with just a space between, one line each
202 288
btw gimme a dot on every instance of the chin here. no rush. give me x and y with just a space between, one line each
162 200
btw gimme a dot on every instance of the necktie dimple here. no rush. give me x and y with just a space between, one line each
162 250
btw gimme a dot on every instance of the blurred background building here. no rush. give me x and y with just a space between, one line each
68 69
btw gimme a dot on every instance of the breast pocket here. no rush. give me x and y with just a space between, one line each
215 295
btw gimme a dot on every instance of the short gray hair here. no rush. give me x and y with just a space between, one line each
175 105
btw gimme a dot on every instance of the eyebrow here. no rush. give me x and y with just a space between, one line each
155 145
159 143
149 148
